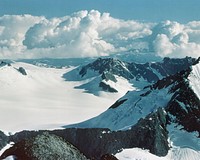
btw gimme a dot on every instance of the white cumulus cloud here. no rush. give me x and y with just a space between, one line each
93 34
176 40
12 32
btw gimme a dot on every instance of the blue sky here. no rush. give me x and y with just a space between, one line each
25 32
147 10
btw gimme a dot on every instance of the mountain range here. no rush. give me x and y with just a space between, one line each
160 113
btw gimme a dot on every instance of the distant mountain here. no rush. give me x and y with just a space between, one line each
57 63
111 74
4 63
9 64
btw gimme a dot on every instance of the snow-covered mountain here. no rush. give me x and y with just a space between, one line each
162 117
175 90
114 75
177 94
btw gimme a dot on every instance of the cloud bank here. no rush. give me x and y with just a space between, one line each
93 34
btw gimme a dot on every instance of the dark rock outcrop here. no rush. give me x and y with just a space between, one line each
22 71
118 103
184 106
111 65
44 146
108 157
108 76
107 87
152 134
3 140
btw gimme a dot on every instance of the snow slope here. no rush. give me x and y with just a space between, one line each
133 106
175 153
137 154
43 99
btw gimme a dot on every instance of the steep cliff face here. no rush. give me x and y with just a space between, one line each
184 106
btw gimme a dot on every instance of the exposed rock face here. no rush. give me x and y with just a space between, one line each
108 76
185 105
134 70
22 71
108 69
106 87
152 133
42 147
114 66
3 140
108 157
118 103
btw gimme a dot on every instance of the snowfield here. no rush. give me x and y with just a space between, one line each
175 153
44 100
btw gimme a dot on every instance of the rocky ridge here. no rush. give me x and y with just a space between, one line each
105 70
92 142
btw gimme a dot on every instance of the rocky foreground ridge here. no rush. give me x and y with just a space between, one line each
94 143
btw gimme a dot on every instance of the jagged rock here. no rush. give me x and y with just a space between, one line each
3 140
184 106
112 65
105 69
152 134
133 70
118 103
108 76
108 157
22 71
42 147
107 87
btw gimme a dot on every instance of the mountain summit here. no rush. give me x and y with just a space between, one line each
111 74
